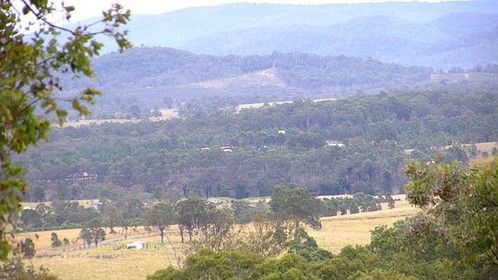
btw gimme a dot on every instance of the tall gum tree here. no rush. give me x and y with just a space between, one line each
35 52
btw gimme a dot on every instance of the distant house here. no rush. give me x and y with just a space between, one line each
226 149
333 143
281 132
96 205
408 152
137 245
81 176
215 200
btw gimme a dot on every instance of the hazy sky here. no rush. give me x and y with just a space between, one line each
92 8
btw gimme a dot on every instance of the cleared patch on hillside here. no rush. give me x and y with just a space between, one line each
266 78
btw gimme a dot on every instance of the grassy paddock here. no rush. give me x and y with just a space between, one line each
113 261
354 229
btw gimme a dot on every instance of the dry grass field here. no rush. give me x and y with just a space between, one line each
166 114
112 261
109 262
340 231
85 203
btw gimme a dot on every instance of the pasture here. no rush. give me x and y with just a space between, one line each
112 261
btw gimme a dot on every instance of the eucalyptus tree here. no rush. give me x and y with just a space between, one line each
36 54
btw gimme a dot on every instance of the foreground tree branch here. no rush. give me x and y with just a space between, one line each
30 70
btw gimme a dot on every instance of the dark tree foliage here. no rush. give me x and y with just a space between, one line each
35 54
16 269
27 248
297 206
160 216
55 241
184 157
306 246
92 233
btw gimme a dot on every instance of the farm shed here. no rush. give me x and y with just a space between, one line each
137 245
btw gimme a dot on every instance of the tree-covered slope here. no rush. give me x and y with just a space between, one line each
218 153
145 76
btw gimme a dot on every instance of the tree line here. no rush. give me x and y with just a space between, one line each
188 213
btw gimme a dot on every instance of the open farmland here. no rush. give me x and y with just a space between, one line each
113 261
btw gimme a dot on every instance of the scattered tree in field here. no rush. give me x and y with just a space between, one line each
98 235
390 202
28 248
298 206
266 237
111 216
190 212
92 233
218 230
86 236
33 57
160 216
66 242
55 241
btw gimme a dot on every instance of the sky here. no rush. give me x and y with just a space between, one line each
92 8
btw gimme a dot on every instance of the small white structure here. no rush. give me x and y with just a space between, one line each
408 152
333 143
137 245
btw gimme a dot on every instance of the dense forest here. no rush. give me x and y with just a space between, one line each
346 146
163 77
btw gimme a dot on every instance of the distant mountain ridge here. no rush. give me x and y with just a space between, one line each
440 35
440 43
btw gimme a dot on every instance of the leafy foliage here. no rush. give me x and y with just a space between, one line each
160 215
16 269
92 233
432 245
31 66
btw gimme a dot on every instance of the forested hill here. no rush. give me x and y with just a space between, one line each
146 76
344 146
